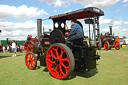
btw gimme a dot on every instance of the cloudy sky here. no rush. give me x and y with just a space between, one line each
18 17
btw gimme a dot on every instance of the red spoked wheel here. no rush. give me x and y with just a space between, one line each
28 46
60 61
31 60
106 45
117 45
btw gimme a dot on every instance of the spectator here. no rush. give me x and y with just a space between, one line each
21 47
14 48
10 49
4 49
17 48
7 46
1 48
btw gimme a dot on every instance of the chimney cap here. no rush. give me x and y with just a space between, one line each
39 19
110 26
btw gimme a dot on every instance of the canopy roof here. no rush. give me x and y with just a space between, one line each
79 14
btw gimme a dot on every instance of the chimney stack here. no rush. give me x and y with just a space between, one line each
110 30
39 27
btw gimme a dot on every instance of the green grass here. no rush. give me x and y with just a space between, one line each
112 69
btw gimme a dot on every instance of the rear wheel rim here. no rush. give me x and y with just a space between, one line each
57 61
30 61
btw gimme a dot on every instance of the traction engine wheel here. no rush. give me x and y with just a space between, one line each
31 60
60 61
28 46
117 45
106 45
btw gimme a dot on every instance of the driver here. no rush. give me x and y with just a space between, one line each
75 33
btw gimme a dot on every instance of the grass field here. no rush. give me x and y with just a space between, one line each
112 69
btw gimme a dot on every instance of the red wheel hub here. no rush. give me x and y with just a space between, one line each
30 61
57 61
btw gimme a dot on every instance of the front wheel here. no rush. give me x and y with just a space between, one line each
117 45
31 60
60 61
106 45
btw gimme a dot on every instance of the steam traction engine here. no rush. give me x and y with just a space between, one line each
28 45
108 40
52 51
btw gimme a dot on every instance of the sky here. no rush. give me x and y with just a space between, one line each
18 17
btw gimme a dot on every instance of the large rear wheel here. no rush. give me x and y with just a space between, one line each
60 61
31 60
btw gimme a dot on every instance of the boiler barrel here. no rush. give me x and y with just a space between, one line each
37 48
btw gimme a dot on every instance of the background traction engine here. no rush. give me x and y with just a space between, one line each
109 41
28 45
52 52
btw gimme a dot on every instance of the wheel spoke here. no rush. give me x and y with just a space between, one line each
48 56
32 56
54 71
53 55
66 59
66 68
56 50
52 62
61 53
29 63
64 65
56 67
33 64
29 57
33 60
50 65
61 72
26 60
